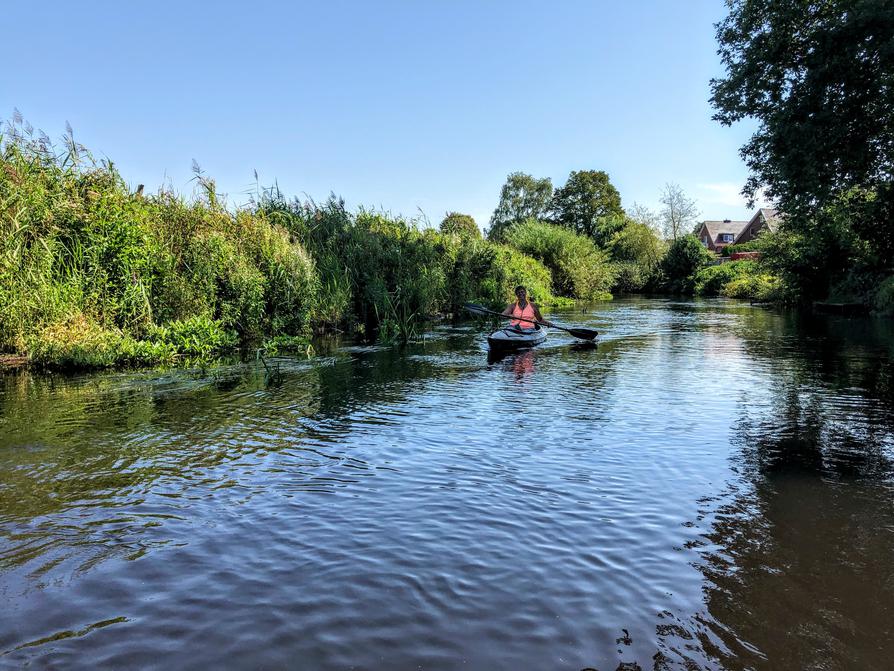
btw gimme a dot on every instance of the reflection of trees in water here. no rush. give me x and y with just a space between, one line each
797 560
95 466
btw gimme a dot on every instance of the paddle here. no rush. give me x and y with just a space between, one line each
583 334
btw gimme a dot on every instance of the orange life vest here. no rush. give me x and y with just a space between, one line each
527 313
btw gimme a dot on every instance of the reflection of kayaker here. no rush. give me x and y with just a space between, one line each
523 364
524 309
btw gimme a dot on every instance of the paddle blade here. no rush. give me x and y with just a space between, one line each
584 334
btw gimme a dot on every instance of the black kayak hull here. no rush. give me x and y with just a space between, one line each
509 339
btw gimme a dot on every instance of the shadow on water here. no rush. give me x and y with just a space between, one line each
797 554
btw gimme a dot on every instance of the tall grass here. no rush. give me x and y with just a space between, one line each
90 270
95 274
383 274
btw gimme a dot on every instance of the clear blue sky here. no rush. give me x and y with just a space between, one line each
402 105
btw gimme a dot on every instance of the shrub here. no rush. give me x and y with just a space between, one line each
636 252
579 269
460 224
759 287
711 280
755 245
685 257
883 303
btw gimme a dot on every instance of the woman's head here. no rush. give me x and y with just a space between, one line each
521 293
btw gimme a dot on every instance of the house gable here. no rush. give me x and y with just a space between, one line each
765 219
715 235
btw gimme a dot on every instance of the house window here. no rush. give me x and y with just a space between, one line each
726 237
705 240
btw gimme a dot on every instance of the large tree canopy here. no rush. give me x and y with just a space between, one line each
522 197
589 204
818 76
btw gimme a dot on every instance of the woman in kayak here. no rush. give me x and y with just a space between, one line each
523 308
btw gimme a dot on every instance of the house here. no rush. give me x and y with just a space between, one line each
715 235
765 219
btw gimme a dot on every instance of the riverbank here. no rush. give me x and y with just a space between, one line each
95 274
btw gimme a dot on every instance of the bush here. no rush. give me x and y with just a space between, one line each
579 269
755 245
636 252
685 257
196 336
759 287
80 250
460 224
711 280
883 303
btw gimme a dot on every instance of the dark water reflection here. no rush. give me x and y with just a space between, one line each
710 487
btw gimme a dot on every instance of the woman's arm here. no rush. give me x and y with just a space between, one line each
508 310
540 316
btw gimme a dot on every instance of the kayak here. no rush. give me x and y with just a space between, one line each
512 338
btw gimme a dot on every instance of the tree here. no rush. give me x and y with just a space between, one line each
817 77
685 257
679 212
522 197
590 205
460 224
643 215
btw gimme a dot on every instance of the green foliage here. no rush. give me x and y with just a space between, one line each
636 253
762 286
817 78
579 269
812 254
755 245
460 224
883 302
711 280
195 336
684 258
487 273
517 268
95 275
522 197
382 275
590 205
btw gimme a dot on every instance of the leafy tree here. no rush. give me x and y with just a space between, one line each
590 205
636 252
522 197
819 79
460 224
679 212
636 242
685 257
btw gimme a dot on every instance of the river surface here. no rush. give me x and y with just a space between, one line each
712 487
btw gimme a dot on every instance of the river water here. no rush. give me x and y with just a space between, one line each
712 487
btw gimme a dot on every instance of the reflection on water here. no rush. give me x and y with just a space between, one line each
710 487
